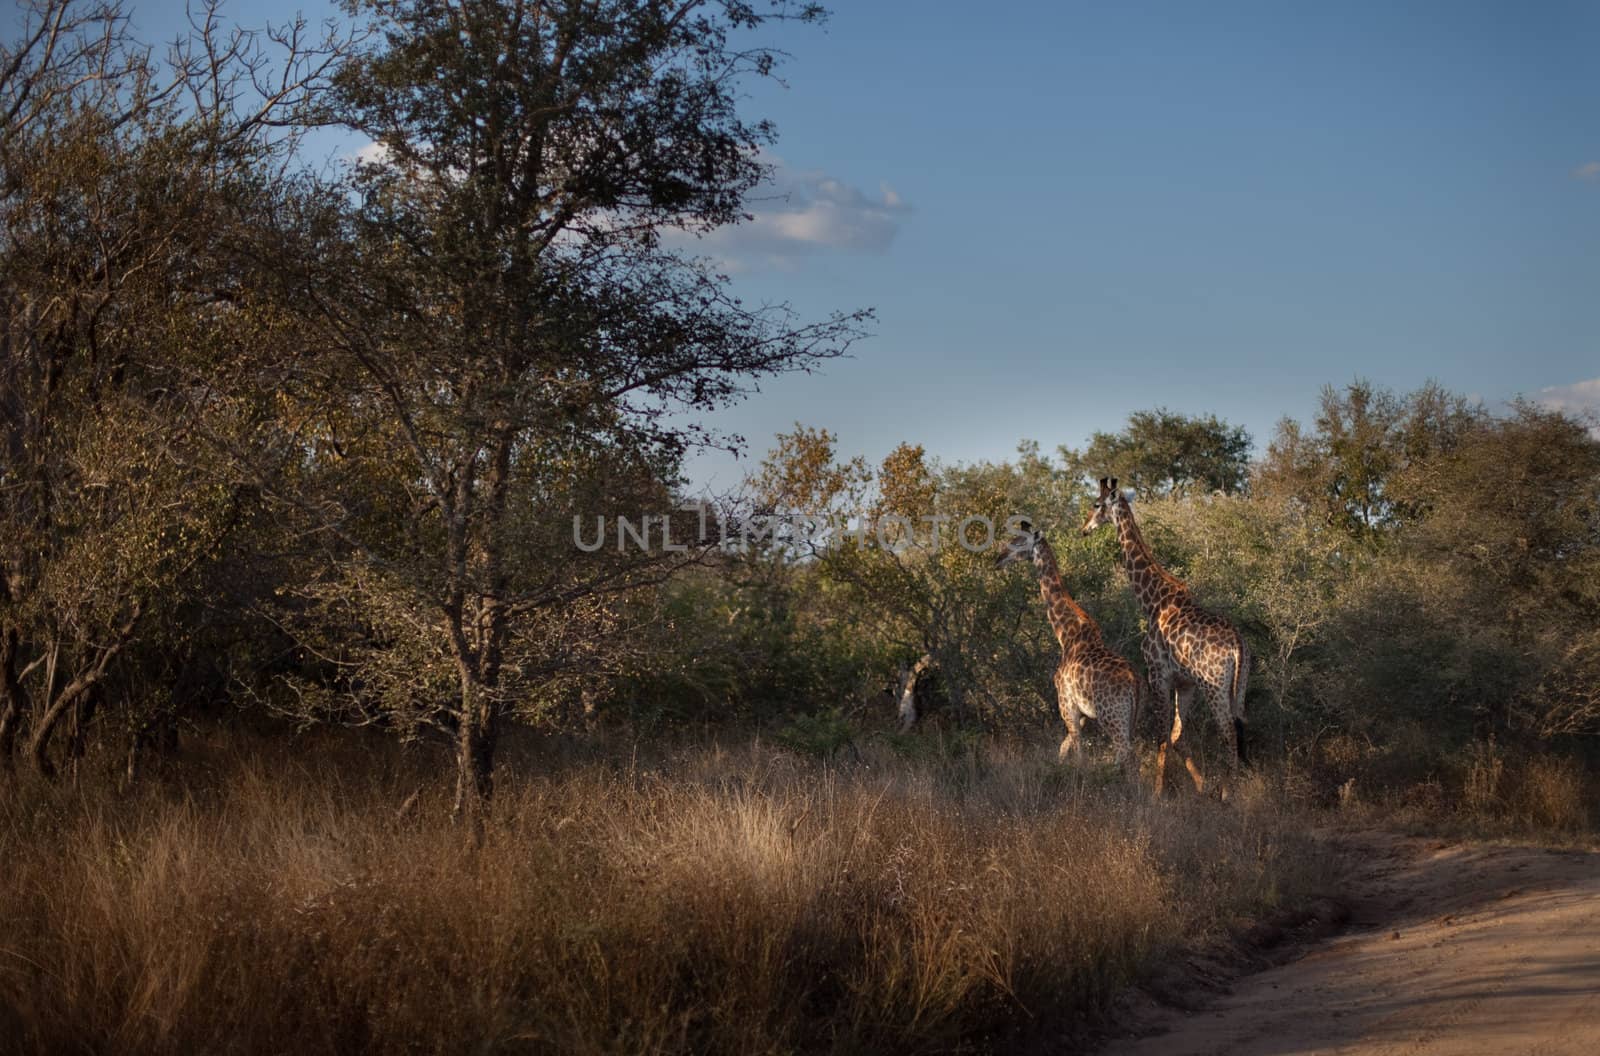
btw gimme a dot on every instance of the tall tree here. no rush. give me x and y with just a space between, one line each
506 333
122 180
1351 468
1162 452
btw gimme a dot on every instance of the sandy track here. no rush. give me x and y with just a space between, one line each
1451 949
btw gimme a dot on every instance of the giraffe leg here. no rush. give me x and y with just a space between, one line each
1070 745
1222 712
1185 695
1159 679
1117 714
1179 695
1125 756
1161 689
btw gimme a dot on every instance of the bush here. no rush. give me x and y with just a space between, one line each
820 735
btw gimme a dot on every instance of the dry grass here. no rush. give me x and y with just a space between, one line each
1485 791
712 901
1551 795
1485 774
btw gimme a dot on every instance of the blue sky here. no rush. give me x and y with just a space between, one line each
1064 212
1216 208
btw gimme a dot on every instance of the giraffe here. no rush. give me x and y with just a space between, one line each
1184 645
1092 680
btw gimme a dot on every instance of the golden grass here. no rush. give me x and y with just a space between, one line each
1552 795
1483 791
710 901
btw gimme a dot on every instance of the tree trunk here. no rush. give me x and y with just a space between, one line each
39 743
13 698
908 691
479 661
475 745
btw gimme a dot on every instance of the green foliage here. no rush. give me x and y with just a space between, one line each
423 368
939 744
1452 586
821 734
1265 566
801 475
1162 453
753 643
123 209
1463 603
1352 471
528 348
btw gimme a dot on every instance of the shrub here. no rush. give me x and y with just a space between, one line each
821 734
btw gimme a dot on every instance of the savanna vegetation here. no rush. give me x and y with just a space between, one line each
319 730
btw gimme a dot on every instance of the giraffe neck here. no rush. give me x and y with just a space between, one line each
1067 619
1151 583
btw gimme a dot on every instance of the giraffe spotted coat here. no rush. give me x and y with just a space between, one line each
1092 680
1185 647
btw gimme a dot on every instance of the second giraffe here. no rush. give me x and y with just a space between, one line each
1185 646
1092 680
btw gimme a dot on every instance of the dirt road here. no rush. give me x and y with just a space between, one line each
1450 950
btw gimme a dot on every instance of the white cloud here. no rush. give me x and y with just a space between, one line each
1581 398
371 154
797 213
376 155
1589 170
794 214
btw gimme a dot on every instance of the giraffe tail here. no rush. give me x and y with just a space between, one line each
1141 701
1241 682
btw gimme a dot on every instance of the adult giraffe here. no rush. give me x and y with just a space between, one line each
1184 645
1092 680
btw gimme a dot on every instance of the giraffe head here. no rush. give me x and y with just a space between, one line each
1020 548
1104 510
